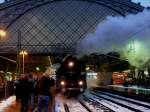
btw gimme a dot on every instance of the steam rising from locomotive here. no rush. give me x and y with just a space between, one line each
129 36
71 75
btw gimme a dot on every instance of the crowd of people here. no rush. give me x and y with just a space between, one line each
32 92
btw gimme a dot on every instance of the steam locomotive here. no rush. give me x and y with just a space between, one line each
71 75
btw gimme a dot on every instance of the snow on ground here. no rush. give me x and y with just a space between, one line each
129 104
59 103
75 106
145 103
108 104
7 102
94 107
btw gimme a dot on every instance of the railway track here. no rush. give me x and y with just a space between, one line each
103 102
133 105
85 104
144 104
126 92
94 105
76 106
105 105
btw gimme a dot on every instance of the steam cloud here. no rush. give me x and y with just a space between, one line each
129 36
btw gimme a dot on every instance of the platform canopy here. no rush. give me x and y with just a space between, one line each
54 26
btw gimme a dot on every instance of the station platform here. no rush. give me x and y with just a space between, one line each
132 89
10 105
128 89
134 92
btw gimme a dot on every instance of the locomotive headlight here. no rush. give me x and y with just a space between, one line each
62 83
70 64
80 83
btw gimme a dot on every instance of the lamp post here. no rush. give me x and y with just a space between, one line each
23 53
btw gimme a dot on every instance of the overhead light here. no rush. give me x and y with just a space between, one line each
62 83
80 83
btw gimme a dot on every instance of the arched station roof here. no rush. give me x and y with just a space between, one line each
55 26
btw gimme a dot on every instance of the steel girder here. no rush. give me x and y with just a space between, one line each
11 12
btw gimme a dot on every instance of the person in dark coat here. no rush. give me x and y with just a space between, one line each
16 82
44 85
24 89
33 92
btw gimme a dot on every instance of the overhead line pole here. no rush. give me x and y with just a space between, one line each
18 51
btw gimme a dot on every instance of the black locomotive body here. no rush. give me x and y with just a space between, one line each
71 75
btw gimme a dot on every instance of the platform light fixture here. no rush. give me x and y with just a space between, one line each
23 53
2 33
37 68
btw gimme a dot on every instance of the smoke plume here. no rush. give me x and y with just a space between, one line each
129 36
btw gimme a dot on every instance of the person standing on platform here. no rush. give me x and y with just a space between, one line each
15 91
33 92
24 89
44 95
